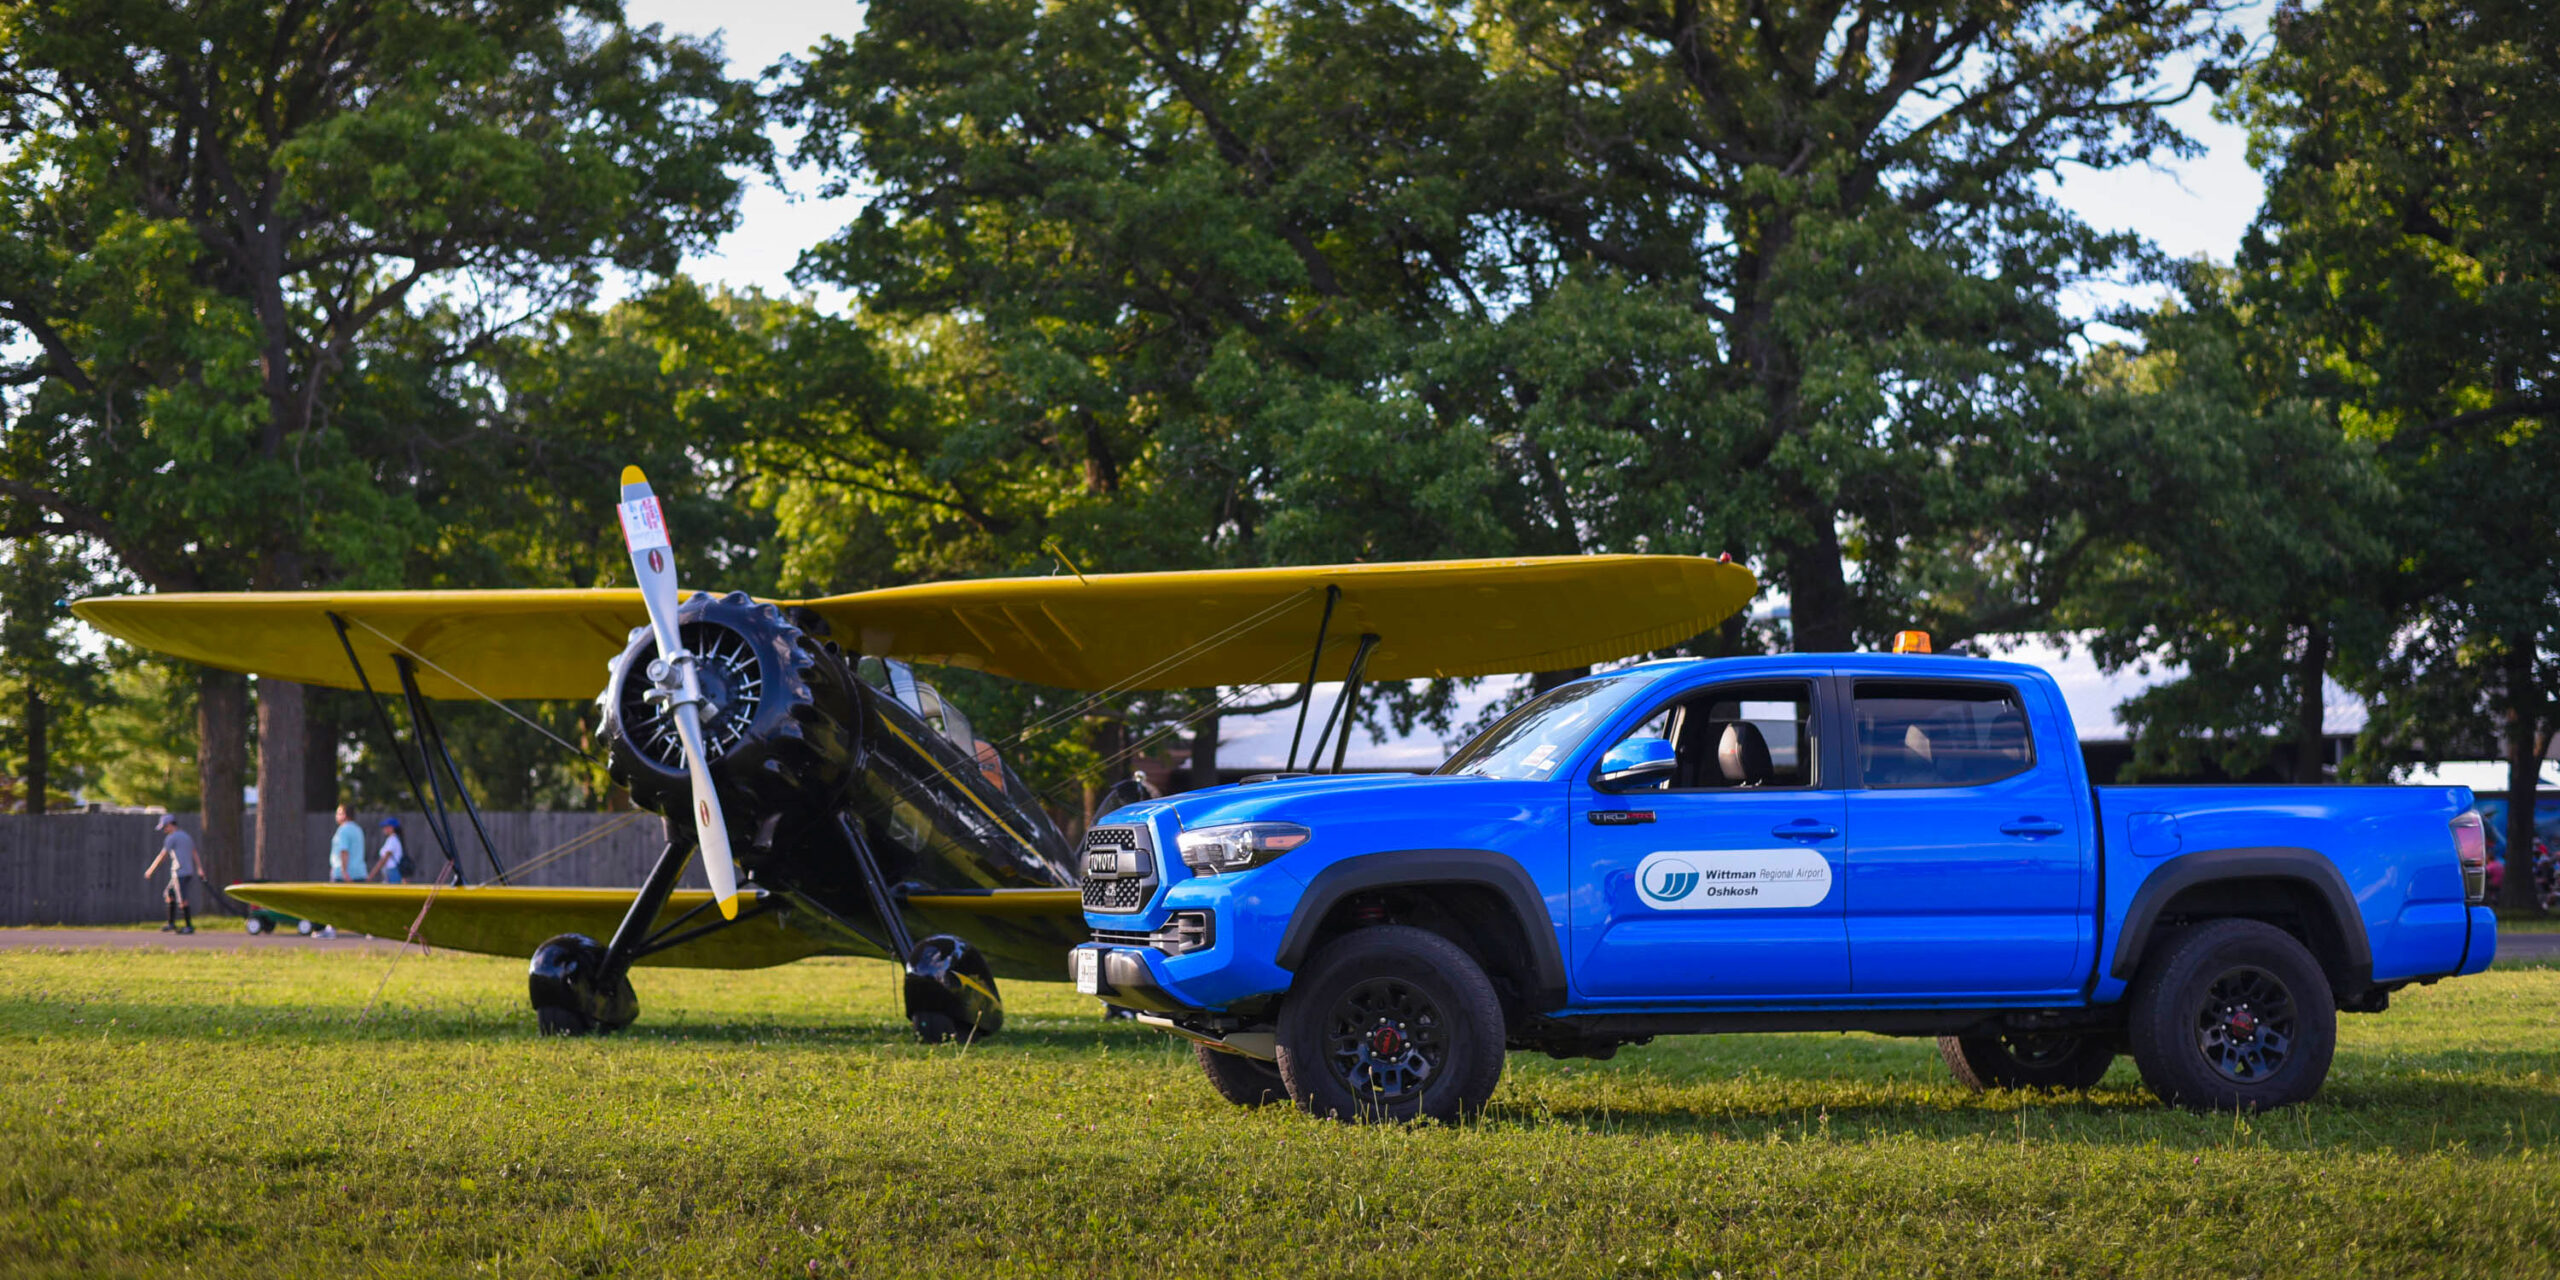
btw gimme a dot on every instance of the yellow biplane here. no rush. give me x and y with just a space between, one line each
839 805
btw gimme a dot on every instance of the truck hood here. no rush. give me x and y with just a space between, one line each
1314 799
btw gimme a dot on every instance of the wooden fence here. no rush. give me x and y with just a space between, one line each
86 868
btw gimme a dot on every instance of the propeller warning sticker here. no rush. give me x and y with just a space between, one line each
642 526
1722 880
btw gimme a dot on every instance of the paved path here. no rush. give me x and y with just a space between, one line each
223 935
227 935
2529 946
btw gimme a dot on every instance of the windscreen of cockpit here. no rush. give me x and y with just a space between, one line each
945 717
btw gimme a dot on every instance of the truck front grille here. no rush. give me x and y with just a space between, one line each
1119 869
1118 896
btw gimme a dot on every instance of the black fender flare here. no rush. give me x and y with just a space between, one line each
1424 868
2305 867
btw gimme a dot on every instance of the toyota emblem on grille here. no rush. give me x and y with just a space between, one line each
1102 862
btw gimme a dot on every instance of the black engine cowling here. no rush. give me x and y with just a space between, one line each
782 724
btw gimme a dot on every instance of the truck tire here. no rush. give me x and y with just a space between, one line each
2017 1061
2232 1015
1391 1023
1246 1082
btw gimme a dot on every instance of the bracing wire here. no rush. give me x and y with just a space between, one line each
430 664
1135 679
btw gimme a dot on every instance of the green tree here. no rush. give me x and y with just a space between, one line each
207 213
1348 281
2411 151
46 689
2245 535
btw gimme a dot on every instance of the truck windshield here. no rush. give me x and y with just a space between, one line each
1531 743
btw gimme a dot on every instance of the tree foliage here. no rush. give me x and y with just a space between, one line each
1351 281
2409 235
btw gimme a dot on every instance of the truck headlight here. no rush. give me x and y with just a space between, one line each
1238 846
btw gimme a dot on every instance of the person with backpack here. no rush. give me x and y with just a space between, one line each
392 860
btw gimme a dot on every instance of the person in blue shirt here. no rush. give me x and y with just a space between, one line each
346 849
346 857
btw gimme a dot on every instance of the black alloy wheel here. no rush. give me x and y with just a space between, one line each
2017 1060
1385 1039
1391 1023
2232 1015
2245 1027
1246 1082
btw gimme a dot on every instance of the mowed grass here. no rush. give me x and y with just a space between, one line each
240 1113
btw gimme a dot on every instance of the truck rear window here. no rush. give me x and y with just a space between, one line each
1939 734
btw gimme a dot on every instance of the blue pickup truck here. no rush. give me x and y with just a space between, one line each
1904 844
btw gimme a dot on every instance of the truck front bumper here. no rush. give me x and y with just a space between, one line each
1131 977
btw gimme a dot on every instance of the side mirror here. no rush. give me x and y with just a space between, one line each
1637 761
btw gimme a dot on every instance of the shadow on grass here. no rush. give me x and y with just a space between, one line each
315 1023
2403 1116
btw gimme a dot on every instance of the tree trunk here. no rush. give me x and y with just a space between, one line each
2310 745
319 758
1204 752
1108 737
2524 776
1541 681
36 762
222 749
1818 591
281 726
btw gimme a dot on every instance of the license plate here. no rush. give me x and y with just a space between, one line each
1089 972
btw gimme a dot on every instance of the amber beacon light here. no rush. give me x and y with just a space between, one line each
1911 642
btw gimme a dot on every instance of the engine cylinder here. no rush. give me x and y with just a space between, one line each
781 723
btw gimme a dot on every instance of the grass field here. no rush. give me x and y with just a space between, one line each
236 1114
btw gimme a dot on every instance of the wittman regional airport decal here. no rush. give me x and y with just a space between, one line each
1715 880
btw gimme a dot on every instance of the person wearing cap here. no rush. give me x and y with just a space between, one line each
387 858
178 849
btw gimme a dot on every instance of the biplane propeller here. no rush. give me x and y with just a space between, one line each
839 805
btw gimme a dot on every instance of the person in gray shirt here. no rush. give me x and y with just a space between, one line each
178 849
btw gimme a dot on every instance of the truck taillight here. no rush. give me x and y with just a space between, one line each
2471 844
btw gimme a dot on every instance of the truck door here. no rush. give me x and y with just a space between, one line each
1965 843
1707 852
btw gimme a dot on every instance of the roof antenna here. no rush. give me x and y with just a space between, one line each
1051 546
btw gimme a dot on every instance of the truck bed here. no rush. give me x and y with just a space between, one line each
2391 849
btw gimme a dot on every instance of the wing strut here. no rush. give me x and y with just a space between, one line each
1332 596
1345 706
429 734
444 843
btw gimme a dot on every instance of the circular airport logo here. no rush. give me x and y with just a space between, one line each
1666 880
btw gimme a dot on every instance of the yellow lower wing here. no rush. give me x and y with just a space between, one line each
1025 932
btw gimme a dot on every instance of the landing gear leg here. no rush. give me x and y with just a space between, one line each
951 992
579 988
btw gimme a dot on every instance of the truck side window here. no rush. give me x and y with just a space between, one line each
1759 735
1937 734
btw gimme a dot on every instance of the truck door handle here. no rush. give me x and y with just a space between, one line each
1804 829
2030 826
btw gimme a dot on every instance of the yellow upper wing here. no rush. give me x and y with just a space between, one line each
1133 630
